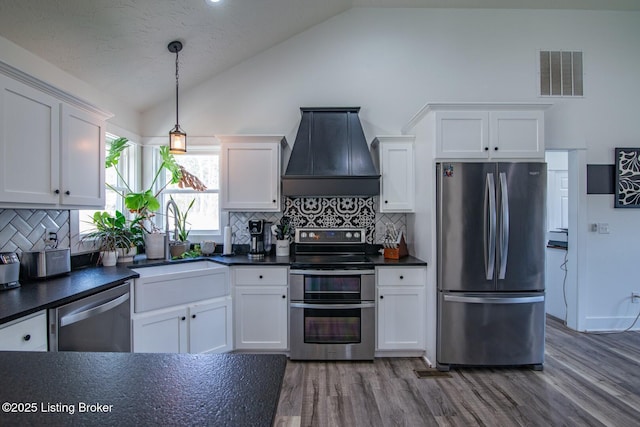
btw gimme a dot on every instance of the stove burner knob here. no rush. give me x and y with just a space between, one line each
303 234
348 235
312 234
356 235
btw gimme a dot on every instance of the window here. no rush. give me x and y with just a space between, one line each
204 216
113 201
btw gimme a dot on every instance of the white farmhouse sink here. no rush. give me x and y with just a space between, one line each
173 284
185 267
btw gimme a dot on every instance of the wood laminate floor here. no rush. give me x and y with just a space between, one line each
588 380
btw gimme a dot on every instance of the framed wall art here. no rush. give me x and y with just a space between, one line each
627 174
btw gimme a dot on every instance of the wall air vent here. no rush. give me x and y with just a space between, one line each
561 73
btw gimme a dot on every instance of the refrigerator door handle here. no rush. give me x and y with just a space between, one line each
494 300
504 235
490 237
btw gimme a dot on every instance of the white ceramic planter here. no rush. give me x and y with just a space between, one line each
282 248
109 258
126 255
154 245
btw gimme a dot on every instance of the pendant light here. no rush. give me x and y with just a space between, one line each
177 138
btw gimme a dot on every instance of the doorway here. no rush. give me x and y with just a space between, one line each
557 233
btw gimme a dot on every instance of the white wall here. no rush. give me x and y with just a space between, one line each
125 119
392 61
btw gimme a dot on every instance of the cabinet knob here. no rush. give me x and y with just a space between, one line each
381 296
56 191
386 201
273 201
260 276
284 297
193 316
183 318
495 148
401 277
26 337
68 193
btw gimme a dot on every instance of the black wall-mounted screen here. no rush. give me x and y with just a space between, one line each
601 179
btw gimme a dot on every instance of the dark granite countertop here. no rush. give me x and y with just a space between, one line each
140 389
39 295
34 296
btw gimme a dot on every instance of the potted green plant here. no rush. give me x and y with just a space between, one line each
143 204
181 243
283 232
109 235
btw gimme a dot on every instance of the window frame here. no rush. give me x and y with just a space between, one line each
195 235
129 168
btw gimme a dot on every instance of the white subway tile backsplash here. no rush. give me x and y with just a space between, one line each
24 229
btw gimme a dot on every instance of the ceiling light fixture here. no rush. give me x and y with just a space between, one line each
177 138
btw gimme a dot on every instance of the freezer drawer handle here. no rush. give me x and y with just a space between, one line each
77 317
490 240
495 300
332 306
504 238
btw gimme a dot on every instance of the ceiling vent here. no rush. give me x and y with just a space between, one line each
561 73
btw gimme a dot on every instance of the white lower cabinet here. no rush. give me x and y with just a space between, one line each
401 307
203 327
25 334
182 308
261 308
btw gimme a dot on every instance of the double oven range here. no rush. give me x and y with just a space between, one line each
332 296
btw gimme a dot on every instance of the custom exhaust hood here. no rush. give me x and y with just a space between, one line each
330 156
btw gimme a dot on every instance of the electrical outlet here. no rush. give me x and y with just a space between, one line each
635 297
603 228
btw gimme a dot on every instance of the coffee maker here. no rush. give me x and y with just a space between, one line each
256 244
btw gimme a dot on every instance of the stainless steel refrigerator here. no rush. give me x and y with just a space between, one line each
491 241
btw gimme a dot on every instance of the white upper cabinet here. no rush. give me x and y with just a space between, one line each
481 131
396 161
251 169
51 152
82 158
29 145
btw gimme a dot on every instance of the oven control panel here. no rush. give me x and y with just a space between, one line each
330 235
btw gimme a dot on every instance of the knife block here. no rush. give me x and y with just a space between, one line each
399 251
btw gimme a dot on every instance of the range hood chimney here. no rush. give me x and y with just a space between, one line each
330 156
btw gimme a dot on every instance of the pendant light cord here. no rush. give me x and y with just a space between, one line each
177 79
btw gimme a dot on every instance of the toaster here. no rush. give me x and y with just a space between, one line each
9 270
45 263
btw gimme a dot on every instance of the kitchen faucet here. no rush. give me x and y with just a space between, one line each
170 203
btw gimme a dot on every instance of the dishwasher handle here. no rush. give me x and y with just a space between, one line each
94 311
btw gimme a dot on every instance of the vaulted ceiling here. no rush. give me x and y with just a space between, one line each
120 46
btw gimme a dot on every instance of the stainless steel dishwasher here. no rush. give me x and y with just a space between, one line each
100 322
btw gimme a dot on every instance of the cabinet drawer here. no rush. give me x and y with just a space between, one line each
261 276
407 276
29 334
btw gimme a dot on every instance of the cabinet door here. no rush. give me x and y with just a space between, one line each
26 334
164 332
516 134
251 176
462 134
397 169
261 317
401 318
29 145
82 159
210 327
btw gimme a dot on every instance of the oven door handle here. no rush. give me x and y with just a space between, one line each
332 272
332 306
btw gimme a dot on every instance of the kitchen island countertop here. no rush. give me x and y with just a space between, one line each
75 388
